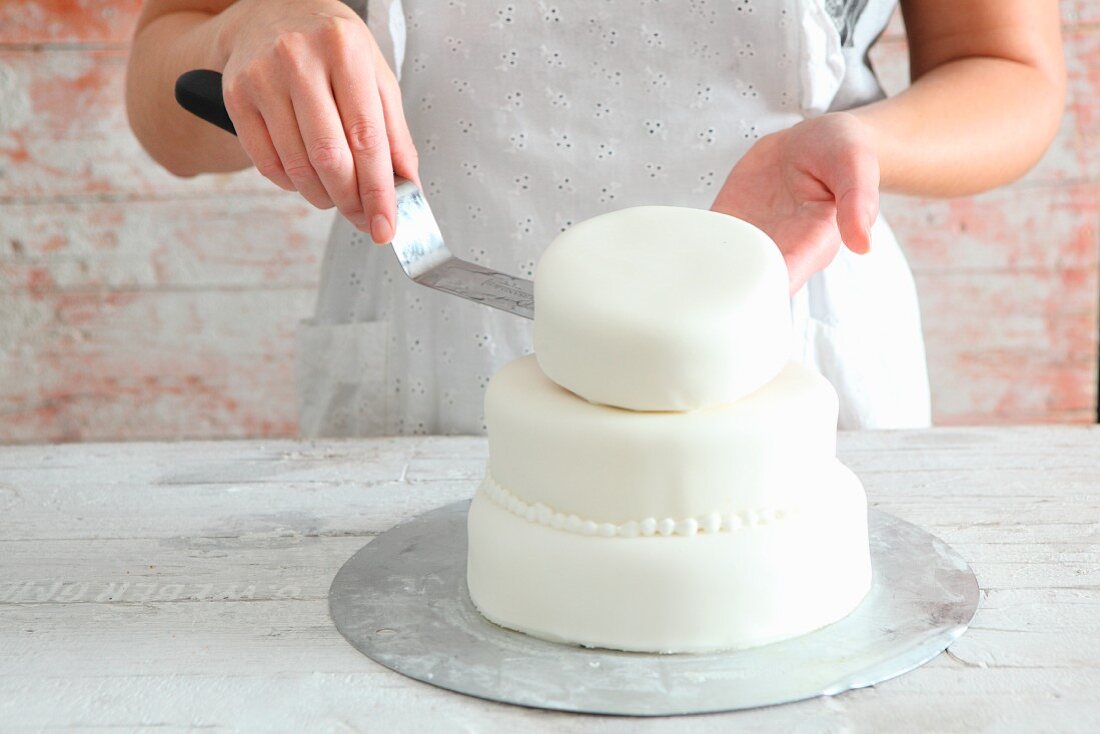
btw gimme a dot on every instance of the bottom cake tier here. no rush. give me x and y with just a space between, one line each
671 585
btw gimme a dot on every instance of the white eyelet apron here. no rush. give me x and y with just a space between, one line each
529 116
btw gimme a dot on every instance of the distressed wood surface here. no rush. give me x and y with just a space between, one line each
242 241
90 229
67 21
184 585
1008 280
110 21
152 364
64 133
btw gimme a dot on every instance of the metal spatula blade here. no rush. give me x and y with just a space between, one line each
425 258
417 242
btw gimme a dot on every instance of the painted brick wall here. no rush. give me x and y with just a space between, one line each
134 305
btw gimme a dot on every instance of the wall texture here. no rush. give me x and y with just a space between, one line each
1008 280
134 305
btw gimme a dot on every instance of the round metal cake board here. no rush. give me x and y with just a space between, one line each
402 601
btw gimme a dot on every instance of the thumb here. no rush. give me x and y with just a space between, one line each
856 211
853 179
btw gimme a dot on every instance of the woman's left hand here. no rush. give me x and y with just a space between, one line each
810 187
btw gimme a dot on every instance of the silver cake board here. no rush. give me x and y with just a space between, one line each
402 601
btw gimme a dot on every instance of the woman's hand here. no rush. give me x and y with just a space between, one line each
810 188
316 106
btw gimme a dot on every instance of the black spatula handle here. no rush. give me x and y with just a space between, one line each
200 93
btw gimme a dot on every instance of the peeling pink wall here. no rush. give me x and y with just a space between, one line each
1009 280
134 305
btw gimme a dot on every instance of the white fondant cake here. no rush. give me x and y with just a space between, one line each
662 308
711 515
665 532
611 465
777 574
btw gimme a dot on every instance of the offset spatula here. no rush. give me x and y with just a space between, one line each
417 241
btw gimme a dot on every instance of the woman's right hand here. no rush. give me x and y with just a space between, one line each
316 106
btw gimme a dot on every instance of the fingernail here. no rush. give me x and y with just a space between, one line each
380 230
359 220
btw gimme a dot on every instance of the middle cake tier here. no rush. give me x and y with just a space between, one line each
611 465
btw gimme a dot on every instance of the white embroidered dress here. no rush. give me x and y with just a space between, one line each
529 116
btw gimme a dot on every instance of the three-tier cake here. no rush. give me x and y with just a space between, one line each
661 478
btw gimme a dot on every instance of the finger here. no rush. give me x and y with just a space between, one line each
254 138
856 212
854 184
406 161
356 94
282 124
327 149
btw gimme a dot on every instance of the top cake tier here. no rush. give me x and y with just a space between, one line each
662 308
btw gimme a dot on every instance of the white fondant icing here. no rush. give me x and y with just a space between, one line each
611 465
542 513
712 522
662 308
687 526
703 592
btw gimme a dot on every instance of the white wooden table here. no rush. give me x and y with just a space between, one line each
184 585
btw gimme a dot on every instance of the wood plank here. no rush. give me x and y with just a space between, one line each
363 487
108 21
193 581
67 21
296 563
241 241
376 699
1011 346
1056 448
1049 228
1080 12
289 634
146 364
211 490
169 571
1083 94
67 582
63 132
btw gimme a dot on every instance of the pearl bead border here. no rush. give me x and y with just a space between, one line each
714 522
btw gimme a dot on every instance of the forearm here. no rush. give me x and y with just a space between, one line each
965 126
164 48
